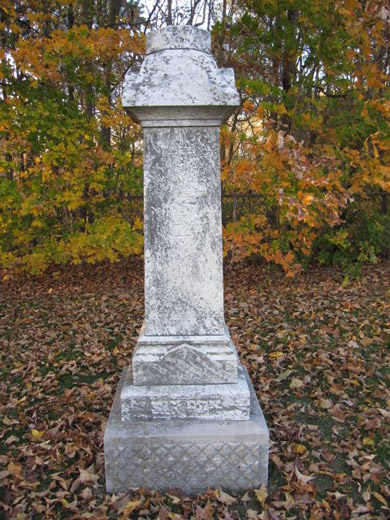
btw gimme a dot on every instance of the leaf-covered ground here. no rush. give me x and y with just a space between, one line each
318 354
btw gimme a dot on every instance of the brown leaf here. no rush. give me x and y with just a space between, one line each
204 513
337 413
14 469
131 506
303 478
88 475
224 498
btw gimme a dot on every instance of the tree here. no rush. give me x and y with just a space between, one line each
313 139
65 164
310 143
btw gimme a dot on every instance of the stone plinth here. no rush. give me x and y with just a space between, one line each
203 402
191 455
185 414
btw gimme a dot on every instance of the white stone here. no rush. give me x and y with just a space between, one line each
183 360
180 74
184 37
222 402
188 454
186 414
183 232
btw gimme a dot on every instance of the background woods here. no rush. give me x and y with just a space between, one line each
68 155
313 136
305 161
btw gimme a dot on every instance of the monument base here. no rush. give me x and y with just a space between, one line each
188 454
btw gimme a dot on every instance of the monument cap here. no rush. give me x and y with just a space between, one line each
179 81
178 37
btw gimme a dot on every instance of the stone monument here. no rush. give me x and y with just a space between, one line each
185 414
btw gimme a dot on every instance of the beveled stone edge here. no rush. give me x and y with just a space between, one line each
149 370
163 116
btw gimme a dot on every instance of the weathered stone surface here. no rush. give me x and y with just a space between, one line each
184 37
184 364
186 416
183 237
203 402
198 81
192 455
184 360
179 71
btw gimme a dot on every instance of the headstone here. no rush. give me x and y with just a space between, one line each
185 414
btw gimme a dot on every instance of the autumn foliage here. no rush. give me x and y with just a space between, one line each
313 137
310 143
66 161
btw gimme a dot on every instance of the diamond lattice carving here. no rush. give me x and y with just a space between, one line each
158 465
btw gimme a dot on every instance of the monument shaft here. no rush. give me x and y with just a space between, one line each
185 413
183 240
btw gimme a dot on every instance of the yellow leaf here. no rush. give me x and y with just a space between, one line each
115 350
299 448
276 354
367 441
138 223
380 498
307 198
36 434
261 494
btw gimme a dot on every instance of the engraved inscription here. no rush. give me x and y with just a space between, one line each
185 407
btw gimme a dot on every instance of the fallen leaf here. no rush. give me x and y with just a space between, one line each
299 448
224 498
379 497
276 354
296 383
131 506
262 494
14 469
36 434
303 478
87 475
385 413
326 404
